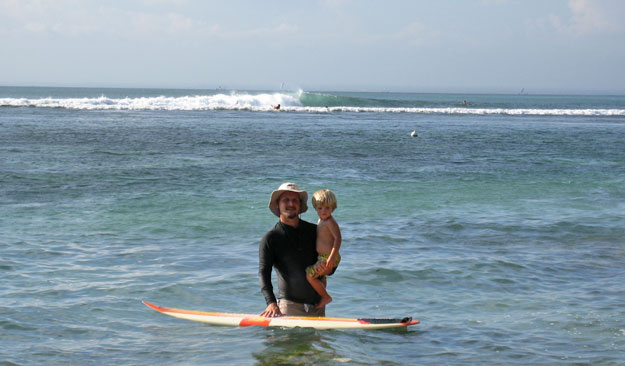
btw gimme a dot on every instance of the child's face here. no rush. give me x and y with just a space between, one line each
324 212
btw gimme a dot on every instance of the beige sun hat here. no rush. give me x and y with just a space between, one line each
288 187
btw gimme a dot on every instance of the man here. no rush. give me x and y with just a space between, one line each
290 248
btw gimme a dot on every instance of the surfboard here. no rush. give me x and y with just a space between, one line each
246 320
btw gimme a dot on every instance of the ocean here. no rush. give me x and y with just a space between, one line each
500 226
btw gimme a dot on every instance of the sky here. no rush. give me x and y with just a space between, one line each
554 46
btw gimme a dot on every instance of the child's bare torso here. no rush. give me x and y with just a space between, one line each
325 238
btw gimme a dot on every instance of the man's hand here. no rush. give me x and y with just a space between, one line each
272 311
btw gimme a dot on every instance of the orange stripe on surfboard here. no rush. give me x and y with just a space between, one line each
162 309
255 320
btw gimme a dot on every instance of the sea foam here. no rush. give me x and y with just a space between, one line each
233 101
289 101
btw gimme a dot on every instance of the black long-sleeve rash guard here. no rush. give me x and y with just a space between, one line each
290 250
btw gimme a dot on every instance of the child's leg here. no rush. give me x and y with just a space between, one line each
318 286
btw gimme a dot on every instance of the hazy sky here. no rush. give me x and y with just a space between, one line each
435 45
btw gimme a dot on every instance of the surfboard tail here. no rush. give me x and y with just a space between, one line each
406 321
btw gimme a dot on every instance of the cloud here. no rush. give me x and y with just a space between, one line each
262 32
74 19
588 18
133 24
413 33
591 16
46 18
334 4
35 27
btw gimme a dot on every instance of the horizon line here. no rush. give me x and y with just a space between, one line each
425 90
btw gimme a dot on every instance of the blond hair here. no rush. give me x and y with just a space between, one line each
324 197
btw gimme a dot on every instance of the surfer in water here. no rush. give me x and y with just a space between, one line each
277 107
290 247
328 243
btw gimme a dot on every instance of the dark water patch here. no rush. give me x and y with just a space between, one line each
11 325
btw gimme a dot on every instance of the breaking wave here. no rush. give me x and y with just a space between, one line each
300 101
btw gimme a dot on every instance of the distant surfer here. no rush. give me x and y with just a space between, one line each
464 102
328 243
277 107
290 247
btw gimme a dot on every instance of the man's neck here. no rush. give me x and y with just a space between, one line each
291 222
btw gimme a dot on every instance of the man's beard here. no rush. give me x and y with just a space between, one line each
291 213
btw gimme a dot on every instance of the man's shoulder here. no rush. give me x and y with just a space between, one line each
279 231
276 230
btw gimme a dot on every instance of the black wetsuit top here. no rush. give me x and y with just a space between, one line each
290 250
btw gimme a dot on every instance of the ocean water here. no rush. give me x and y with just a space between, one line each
500 226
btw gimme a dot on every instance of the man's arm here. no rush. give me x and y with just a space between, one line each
265 266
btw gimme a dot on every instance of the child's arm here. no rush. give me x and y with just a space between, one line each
334 229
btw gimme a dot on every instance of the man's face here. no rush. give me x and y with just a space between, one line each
289 205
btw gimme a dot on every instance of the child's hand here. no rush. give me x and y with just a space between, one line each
322 268
329 261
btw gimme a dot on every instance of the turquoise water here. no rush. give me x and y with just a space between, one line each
500 227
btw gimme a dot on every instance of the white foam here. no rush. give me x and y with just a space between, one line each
289 102
466 111
234 101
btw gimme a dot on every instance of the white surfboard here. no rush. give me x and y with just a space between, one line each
246 320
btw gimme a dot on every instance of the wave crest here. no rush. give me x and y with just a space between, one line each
298 101
233 101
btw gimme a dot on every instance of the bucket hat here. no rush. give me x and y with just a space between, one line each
288 187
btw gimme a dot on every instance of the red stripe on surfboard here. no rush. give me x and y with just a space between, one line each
254 320
155 307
